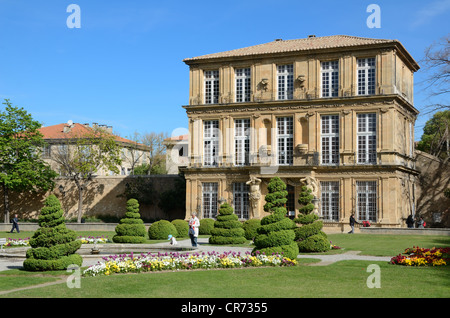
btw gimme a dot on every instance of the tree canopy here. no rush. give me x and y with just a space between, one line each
21 165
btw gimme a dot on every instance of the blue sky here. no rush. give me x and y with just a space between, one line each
124 67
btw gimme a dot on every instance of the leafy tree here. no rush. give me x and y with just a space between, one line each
309 236
21 166
436 135
227 228
53 245
131 228
276 234
84 154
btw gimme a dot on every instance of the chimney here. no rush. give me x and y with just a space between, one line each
311 36
66 129
109 129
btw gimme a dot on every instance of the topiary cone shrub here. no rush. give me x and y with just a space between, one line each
53 245
309 236
276 233
227 229
206 225
160 230
131 228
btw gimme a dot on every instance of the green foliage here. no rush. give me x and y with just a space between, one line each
227 229
206 225
21 165
250 227
161 230
182 227
435 135
130 229
53 245
309 236
276 233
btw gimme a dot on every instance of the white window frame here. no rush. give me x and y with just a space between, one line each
329 78
243 85
329 127
329 197
210 143
209 199
285 82
366 76
241 142
211 87
241 200
366 200
285 140
366 138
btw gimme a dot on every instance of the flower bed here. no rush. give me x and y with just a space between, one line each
93 240
178 261
17 242
417 256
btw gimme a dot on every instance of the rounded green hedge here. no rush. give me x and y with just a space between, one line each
160 230
131 228
227 229
206 225
182 227
53 246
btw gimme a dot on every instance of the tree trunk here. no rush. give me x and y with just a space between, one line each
6 201
80 203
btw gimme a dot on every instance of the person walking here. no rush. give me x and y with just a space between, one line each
421 223
410 222
352 223
194 224
15 222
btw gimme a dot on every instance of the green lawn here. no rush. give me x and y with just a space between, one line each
342 279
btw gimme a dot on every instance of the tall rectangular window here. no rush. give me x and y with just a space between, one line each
209 196
330 139
241 141
285 76
210 142
366 76
240 200
285 140
330 78
211 87
329 196
243 85
366 200
366 138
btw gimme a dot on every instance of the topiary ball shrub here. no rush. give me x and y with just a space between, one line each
53 245
227 229
250 227
182 227
161 230
131 228
206 225
276 234
309 236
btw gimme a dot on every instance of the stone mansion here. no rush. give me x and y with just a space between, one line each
333 112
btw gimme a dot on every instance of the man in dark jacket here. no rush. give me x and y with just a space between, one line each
352 223
15 222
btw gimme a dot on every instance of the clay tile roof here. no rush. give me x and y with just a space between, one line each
283 46
177 138
57 132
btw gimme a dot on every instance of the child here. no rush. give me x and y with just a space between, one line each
172 240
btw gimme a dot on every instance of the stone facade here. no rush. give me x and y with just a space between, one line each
333 112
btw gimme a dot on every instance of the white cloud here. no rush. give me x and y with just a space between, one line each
427 13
